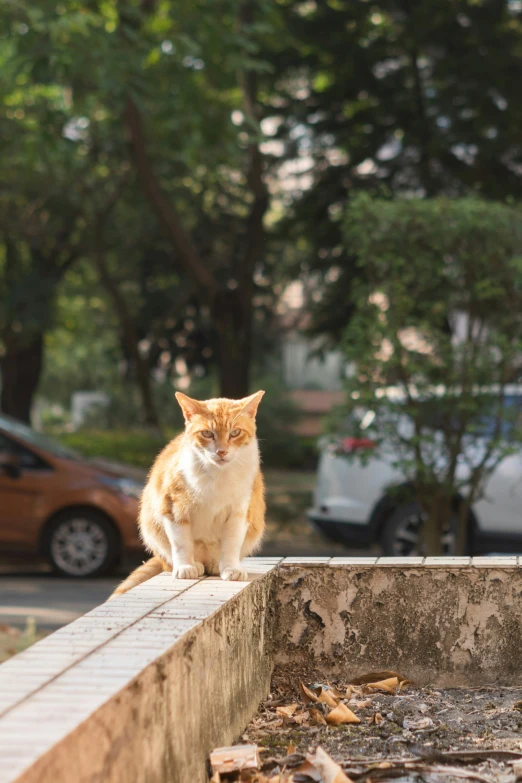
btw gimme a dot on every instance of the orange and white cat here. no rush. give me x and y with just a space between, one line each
203 508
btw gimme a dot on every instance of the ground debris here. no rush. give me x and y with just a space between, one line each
396 731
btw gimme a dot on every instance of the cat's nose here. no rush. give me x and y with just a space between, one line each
222 452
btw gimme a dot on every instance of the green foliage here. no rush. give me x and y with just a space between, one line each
420 96
439 319
276 418
122 442
131 447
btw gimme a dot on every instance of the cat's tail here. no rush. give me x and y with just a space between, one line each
147 570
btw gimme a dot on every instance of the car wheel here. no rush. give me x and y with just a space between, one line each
81 543
401 534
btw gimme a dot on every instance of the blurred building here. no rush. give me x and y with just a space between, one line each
314 376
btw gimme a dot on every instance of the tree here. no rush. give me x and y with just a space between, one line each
169 76
419 96
436 340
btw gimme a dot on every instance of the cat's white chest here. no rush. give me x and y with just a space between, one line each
220 492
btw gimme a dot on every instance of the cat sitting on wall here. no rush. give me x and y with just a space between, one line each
203 507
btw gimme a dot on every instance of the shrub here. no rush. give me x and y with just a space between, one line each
439 317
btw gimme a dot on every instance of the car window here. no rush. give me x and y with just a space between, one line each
13 427
26 458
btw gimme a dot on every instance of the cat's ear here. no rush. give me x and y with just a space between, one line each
249 405
189 406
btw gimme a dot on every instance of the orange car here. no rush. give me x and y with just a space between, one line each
57 504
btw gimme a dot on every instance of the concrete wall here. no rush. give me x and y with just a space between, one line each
438 621
143 687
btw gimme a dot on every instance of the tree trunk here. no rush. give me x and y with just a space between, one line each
150 414
21 367
129 333
435 514
232 317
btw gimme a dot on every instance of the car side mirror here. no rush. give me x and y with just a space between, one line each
10 465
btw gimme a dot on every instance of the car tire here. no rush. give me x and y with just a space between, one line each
400 535
81 543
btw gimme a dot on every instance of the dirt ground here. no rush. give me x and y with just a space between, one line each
405 733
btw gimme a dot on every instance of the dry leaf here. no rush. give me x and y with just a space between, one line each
317 717
301 717
417 725
291 749
389 686
385 765
287 712
309 697
376 718
341 714
313 695
375 677
336 693
216 778
363 704
326 698
235 758
308 769
329 770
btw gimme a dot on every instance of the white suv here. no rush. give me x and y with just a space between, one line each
371 503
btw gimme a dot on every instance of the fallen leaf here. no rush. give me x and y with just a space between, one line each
385 765
315 694
376 718
234 758
416 725
216 778
341 714
301 717
326 698
329 770
291 749
336 693
317 717
363 704
309 697
376 677
389 686
308 769
287 712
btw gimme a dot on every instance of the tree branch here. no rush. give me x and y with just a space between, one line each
188 253
254 226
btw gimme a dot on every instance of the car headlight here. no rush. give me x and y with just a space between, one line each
126 486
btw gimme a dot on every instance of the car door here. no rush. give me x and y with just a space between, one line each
21 496
500 511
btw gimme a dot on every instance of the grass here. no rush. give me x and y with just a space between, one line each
14 640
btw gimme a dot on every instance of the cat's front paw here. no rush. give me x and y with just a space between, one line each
187 571
234 575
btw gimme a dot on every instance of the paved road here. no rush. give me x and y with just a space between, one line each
51 601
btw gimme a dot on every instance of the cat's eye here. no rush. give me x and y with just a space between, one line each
207 434
235 433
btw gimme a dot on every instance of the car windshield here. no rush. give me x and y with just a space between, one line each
18 430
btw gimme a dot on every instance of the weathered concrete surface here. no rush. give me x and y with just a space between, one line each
142 688
444 626
171 701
